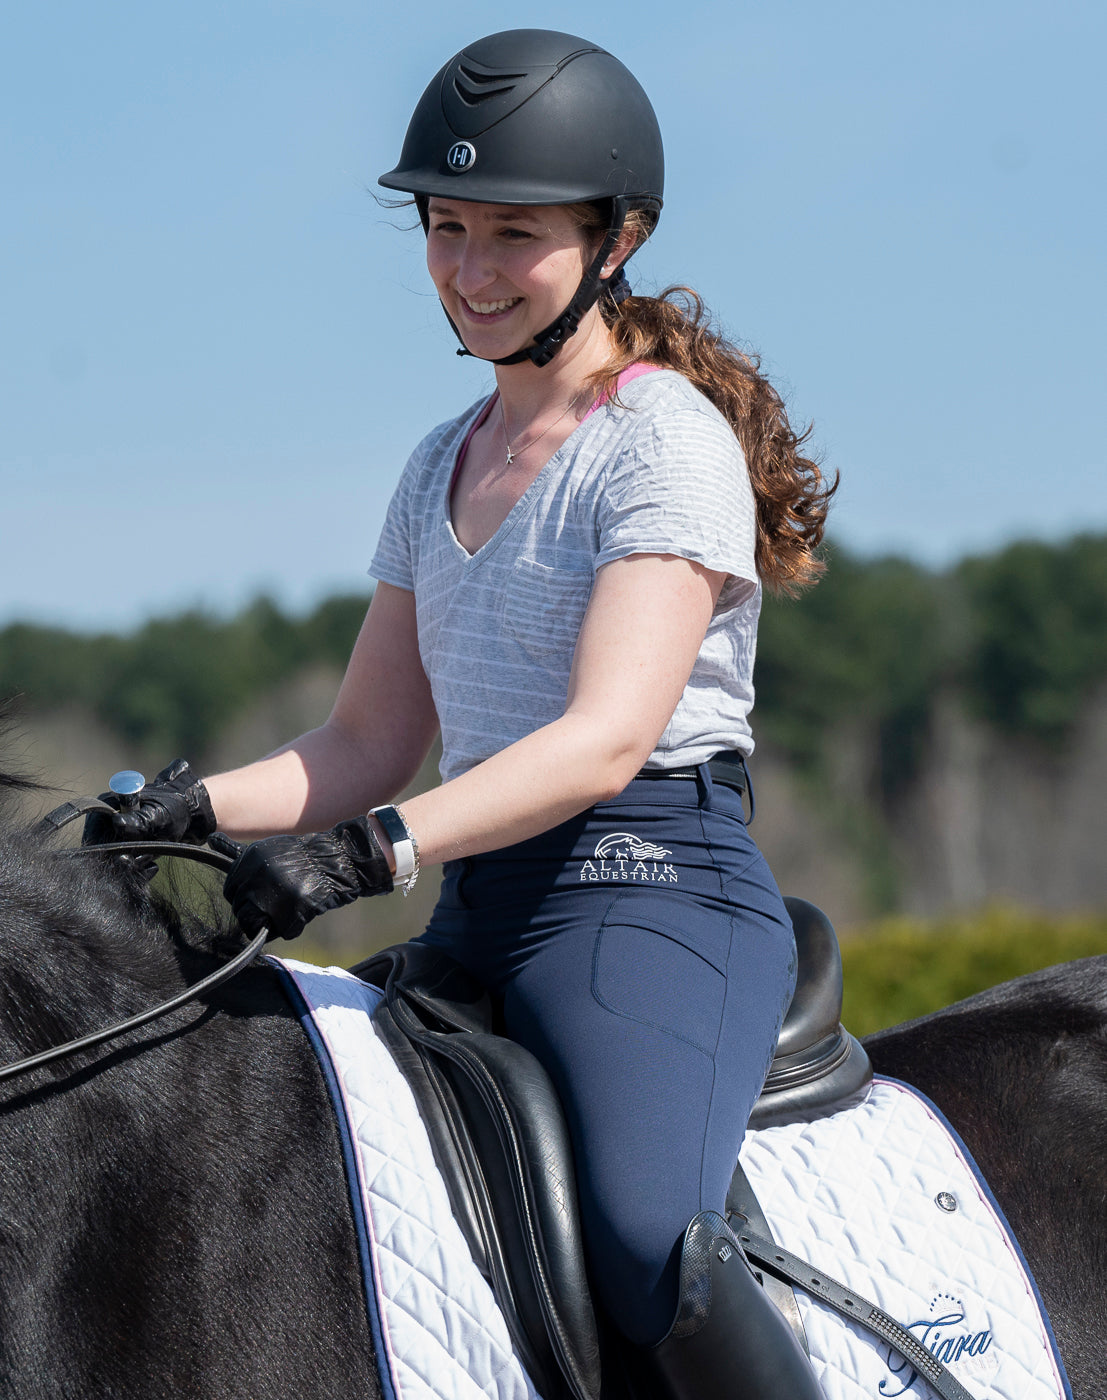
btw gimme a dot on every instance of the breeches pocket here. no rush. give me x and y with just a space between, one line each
667 972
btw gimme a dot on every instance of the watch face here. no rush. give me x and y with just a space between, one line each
403 843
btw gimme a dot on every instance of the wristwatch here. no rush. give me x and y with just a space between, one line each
405 848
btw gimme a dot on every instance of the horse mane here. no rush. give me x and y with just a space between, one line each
83 941
11 782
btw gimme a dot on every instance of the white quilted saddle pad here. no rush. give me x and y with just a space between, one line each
887 1200
439 1334
864 1195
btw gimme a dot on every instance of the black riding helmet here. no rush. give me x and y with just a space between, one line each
532 116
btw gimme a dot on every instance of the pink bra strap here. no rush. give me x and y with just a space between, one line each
632 372
480 418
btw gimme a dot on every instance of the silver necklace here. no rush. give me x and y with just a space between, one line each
512 453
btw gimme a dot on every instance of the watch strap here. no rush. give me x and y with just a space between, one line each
405 851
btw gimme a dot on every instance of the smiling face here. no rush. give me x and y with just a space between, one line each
504 272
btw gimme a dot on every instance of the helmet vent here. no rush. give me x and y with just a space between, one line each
474 87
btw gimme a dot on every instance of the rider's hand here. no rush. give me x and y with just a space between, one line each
174 807
282 882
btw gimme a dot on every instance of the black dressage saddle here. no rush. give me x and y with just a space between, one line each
501 1142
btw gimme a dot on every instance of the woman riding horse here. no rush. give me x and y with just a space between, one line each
570 574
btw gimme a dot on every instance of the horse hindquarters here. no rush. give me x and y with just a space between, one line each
1021 1073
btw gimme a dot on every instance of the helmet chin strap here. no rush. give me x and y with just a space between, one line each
548 342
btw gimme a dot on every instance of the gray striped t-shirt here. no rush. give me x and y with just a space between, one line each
660 473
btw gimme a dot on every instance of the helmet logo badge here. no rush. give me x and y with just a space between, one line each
461 156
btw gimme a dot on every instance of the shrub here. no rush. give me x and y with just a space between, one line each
900 968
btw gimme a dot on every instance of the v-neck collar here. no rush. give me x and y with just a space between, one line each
518 510
521 506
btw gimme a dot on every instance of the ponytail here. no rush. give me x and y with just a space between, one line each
673 330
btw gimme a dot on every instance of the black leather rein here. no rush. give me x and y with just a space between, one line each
221 859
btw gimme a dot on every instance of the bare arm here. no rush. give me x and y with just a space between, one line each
371 746
625 684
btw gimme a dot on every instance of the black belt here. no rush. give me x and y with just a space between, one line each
727 769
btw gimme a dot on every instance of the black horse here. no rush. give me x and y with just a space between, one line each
174 1218
1021 1073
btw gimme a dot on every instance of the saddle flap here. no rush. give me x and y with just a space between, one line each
499 1135
532 1188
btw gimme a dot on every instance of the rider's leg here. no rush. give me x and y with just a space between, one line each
656 1130
657 1055
651 986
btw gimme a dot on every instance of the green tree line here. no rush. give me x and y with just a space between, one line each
1020 635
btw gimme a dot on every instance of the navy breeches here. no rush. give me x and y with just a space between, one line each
643 953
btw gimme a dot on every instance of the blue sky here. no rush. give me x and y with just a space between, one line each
216 350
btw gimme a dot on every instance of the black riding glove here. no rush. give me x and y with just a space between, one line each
284 881
174 807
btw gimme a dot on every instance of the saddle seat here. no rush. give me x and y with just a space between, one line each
501 1142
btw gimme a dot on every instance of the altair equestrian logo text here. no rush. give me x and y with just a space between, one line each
622 856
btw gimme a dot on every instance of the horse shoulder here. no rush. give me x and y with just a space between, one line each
183 1200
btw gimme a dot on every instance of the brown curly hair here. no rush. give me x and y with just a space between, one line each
675 330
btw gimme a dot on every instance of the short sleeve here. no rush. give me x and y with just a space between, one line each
679 485
418 501
392 560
